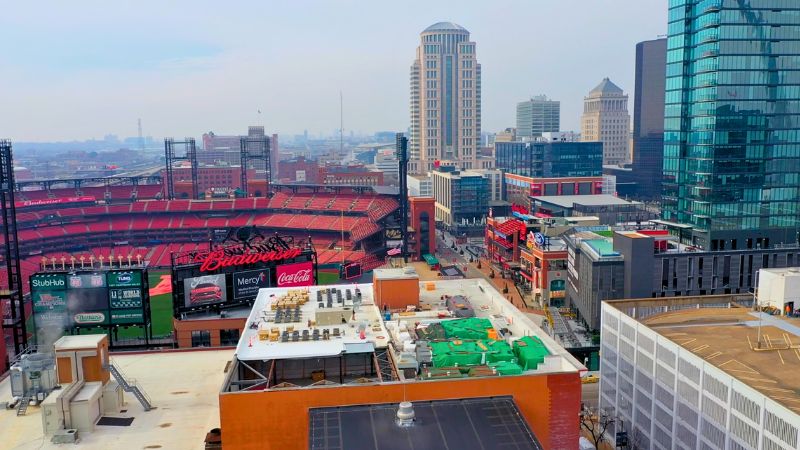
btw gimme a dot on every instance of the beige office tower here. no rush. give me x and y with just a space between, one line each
606 119
445 100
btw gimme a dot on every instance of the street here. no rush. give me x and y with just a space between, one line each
590 394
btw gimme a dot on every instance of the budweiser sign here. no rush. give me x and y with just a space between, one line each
218 259
298 274
53 201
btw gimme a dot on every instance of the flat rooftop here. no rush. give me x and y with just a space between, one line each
569 201
346 327
443 424
726 338
184 388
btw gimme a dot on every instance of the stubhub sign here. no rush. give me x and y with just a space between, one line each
246 284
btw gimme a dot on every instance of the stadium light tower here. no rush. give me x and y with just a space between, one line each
13 292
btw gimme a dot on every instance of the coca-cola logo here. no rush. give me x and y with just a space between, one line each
298 274
301 276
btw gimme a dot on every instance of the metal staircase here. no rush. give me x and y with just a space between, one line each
23 405
131 386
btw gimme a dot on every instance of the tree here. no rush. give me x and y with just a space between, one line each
595 422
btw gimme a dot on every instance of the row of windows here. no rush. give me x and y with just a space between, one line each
202 338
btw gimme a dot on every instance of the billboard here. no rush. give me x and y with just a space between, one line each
246 284
87 299
297 274
204 290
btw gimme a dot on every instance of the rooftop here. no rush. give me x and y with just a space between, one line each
569 201
444 26
728 339
78 342
287 325
184 387
606 87
463 423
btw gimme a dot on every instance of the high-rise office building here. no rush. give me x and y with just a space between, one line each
732 122
648 118
606 119
445 100
538 115
551 156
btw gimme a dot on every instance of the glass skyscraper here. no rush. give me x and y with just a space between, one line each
732 122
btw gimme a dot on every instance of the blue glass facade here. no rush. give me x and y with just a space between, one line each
732 121
550 159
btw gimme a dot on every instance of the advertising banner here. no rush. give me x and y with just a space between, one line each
127 316
86 280
48 281
204 290
47 300
246 284
125 298
90 318
297 274
124 279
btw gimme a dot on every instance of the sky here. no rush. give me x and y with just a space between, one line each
80 70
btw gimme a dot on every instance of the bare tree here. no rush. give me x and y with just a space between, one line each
595 422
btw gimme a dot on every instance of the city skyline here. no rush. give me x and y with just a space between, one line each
98 72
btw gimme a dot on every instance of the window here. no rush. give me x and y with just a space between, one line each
201 338
228 337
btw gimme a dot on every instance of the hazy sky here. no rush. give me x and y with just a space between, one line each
76 70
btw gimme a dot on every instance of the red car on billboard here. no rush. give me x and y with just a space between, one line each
204 293
297 274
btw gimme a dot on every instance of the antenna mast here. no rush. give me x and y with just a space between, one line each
341 125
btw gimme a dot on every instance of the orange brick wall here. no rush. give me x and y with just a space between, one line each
279 419
184 328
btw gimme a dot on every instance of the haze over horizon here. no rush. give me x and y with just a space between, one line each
81 71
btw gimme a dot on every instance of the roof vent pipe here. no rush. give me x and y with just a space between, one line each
405 414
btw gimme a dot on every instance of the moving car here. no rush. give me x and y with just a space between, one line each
590 379
205 293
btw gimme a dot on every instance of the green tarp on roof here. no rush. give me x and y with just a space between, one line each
430 259
470 328
506 368
470 353
530 351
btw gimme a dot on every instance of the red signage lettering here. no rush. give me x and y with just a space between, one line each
298 274
53 201
218 259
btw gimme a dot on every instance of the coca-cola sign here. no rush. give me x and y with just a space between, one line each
218 259
298 274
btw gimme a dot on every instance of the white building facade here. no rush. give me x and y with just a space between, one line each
666 397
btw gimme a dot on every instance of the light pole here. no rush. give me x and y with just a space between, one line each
758 309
